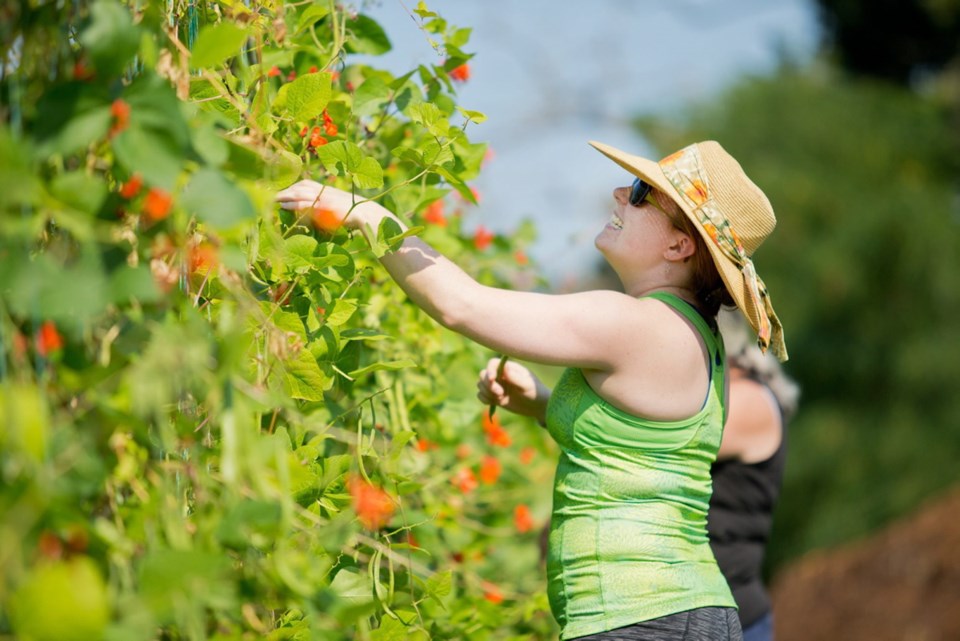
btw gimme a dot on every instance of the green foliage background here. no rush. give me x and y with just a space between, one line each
863 176
176 452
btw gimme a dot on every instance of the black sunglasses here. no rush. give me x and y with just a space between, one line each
639 192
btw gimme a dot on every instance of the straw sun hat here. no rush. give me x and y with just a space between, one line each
731 214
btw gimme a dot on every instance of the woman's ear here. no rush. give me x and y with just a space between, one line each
681 247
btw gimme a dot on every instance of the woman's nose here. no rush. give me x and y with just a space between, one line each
620 194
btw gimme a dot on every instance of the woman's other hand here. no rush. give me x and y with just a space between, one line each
517 389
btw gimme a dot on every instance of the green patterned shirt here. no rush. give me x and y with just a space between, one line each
628 535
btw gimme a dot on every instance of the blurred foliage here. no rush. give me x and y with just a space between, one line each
221 420
862 267
897 40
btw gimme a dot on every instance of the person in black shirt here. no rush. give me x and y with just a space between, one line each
748 472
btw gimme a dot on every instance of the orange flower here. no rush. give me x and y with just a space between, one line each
132 187
520 257
274 71
330 129
492 593
48 339
434 214
482 238
203 258
465 480
527 454
461 73
120 111
490 470
373 505
424 445
157 204
463 451
697 192
312 69
316 140
496 435
522 519
326 220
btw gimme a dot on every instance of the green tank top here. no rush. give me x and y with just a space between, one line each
628 535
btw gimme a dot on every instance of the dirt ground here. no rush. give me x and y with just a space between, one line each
902 584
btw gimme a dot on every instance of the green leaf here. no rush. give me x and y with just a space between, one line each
215 200
334 263
473 116
304 379
440 584
216 43
80 191
366 36
370 97
18 184
26 417
346 158
342 310
382 365
429 116
111 39
151 153
298 253
363 334
311 15
305 98
133 284
71 117
251 522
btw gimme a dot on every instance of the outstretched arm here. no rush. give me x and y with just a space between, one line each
582 330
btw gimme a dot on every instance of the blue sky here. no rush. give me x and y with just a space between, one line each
551 75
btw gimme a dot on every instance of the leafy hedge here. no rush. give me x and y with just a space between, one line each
222 420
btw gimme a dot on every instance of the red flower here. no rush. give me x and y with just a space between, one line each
492 593
424 445
496 435
274 71
461 73
292 75
434 214
316 140
120 112
81 71
490 470
373 505
520 257
326 220
48 339
527 454
203 258
132 187
157 204
330 129
482 238
522 519
465 480
312 69
463 451
303 132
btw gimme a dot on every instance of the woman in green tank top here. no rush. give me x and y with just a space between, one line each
638 414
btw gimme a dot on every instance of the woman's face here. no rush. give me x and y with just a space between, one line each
634 237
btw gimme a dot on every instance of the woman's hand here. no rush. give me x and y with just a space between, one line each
330 207
516 390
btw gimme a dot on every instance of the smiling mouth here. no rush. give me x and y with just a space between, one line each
616 222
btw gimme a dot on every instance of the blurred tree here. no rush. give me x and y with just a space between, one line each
897 40
863 272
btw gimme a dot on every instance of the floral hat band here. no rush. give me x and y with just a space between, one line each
691 181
